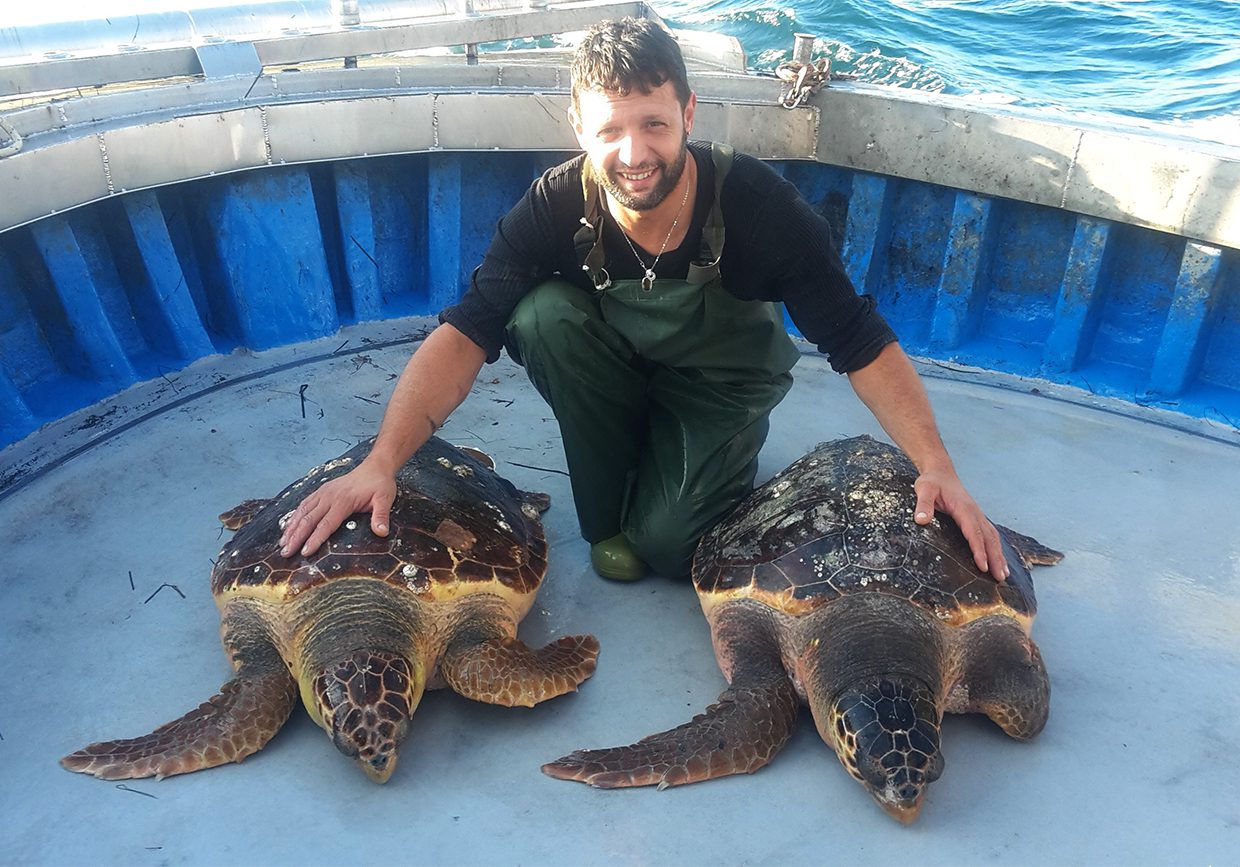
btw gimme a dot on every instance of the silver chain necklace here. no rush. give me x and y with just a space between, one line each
649 277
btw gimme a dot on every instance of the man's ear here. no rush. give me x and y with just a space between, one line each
690 109
578 129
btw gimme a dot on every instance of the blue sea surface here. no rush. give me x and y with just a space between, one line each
1155 62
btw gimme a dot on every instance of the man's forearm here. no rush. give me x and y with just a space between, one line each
890 387
436 380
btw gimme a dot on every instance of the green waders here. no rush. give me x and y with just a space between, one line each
662 394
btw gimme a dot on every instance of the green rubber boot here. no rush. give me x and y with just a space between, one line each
615 559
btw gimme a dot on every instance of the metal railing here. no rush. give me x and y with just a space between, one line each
243 39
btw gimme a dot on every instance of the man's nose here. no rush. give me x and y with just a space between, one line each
633 150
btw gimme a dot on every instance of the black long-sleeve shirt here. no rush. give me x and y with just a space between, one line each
777 248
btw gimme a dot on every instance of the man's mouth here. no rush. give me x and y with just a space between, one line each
634 177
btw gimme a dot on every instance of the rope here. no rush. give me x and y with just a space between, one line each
801 80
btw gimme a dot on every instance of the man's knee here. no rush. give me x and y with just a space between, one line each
550 313
666 539
664 527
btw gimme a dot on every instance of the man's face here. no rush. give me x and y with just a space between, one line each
635 142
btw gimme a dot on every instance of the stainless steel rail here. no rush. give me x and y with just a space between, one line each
242 40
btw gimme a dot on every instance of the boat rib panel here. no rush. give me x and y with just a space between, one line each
963 279
1140 274
274 276
867 231
327 209
96 351
906 285
167 302
190 233
16 419
1029 246
1221 365
23 356
356 226
443 238
1079 303
1186 332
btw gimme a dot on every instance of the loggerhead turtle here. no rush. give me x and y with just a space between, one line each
821 586
364 625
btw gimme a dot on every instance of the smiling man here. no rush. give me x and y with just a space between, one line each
638 285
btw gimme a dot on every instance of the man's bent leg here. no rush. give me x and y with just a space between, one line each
589 376
701 462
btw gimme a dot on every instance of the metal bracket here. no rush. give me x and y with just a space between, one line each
220 59
10 139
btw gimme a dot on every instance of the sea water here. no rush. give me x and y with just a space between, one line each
1171 63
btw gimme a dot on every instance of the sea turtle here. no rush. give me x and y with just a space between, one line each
364 625
821 586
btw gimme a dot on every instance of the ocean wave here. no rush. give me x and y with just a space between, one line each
1163 61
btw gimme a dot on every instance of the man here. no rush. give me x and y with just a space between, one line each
635 283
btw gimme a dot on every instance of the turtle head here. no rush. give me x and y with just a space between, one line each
364 703
886 732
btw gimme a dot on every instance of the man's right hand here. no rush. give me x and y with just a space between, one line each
435 381
364 489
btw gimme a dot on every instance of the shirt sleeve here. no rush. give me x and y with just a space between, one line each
524 252
787 254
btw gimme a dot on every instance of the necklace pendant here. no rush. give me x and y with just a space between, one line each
648 280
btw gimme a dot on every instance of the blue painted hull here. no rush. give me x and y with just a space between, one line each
137 286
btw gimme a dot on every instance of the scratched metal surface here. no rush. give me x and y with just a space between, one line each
1137 626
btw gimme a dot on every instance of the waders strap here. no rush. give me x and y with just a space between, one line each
587 239
706 267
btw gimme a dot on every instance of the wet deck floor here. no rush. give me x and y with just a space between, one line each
1138 625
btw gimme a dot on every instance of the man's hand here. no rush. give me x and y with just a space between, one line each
944 492
435 381
364 489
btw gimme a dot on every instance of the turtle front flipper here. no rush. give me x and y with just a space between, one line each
999 671
229 726
740 733
504 671
239 515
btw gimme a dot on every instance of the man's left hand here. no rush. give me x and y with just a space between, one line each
943 492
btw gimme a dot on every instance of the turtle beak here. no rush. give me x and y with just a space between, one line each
380 767
904 806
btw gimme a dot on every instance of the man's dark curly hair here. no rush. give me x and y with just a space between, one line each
627 53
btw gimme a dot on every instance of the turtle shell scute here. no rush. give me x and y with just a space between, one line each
839 521
454 521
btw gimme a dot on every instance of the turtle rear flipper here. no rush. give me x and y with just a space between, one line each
504 671
740 733
1033 552
239 515
229 726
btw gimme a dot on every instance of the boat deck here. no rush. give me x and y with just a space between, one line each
108 628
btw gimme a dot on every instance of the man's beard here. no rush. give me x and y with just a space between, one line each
669 176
